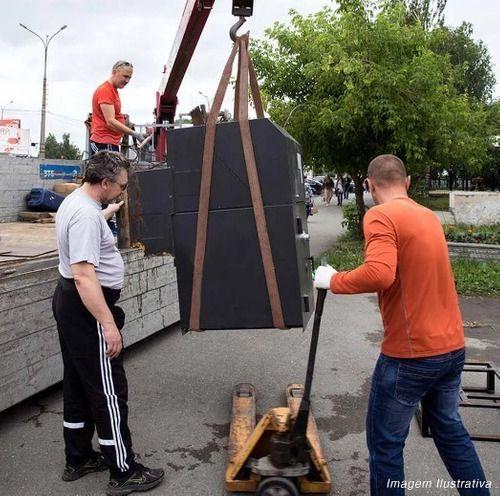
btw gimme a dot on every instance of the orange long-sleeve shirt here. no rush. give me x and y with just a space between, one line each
407 264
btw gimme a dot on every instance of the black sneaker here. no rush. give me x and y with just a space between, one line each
142 479
94 464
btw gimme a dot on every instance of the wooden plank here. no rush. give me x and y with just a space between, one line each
29 250
31 216
5 262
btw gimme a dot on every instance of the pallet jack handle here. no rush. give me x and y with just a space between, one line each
300 426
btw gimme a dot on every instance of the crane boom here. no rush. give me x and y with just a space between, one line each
193 21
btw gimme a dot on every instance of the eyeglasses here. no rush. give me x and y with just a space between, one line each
123 187
122 63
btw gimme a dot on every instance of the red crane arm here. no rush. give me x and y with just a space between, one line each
193 21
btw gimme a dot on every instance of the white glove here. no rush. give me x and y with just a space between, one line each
323 276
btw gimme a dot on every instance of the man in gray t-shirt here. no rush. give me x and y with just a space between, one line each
89 323
84 236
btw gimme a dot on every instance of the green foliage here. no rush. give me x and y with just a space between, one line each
434 202
490 172
351 219
347 254
362 80
473 234
64 149
477 278
474 76
52 149
429 13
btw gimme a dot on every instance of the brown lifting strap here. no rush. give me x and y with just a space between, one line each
245 68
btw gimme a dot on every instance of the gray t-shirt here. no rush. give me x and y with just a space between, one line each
84 236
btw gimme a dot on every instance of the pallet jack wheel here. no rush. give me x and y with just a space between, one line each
277 486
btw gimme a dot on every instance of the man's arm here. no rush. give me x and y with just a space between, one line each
108 111
90 291
379 268
111 209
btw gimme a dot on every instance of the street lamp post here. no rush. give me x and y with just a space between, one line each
208 100
45 42
292 111
4 107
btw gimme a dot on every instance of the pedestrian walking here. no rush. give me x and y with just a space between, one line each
347 187
328 189
339 190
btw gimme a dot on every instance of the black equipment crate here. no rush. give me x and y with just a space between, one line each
234 292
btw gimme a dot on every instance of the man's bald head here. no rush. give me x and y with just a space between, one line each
387 170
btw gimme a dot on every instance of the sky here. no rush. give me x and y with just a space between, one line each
99 33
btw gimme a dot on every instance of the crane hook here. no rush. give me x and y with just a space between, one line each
234 29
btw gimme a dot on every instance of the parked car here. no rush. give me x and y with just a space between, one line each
316 186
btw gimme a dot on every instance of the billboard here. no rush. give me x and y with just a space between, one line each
14 140
10 123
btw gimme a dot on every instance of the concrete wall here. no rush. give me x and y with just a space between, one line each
471 251
475 207
17 176
30 359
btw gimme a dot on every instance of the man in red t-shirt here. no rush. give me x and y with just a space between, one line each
108 123
407 264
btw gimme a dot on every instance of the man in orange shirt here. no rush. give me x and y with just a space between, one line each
407 264
108 123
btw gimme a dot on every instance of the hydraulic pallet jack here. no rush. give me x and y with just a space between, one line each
281 455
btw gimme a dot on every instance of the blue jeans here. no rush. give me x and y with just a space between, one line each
398 385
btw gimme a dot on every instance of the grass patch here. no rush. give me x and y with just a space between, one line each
434 202
475 278
348 252
472 278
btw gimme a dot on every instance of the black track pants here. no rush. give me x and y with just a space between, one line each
99 147
94 386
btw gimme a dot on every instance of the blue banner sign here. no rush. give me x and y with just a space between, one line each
52 171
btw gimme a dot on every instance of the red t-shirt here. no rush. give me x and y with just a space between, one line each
100 132
407 263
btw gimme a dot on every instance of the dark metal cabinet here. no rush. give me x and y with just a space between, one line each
234 292
150 209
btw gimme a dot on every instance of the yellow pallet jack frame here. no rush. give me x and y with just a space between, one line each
249 441
246 439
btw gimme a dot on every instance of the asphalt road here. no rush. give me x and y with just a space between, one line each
180 402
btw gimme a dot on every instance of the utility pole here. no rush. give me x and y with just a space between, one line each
4 107
45 42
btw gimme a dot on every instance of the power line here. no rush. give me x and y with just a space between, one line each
66 117
33 111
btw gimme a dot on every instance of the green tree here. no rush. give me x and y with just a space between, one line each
429 13
64 149
52 147
490 173
356 82
470 58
